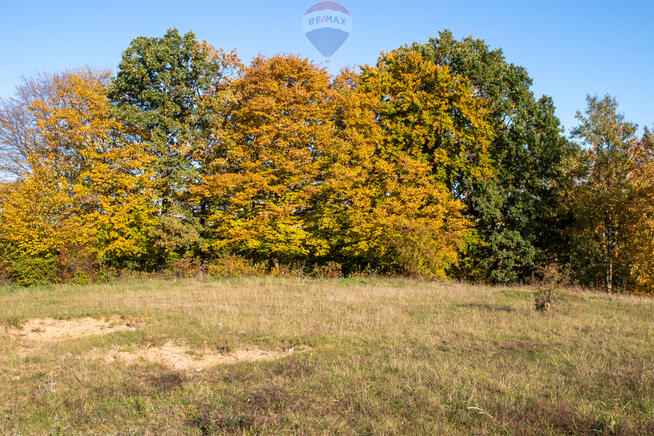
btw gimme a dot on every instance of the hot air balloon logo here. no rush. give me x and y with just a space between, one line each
327 25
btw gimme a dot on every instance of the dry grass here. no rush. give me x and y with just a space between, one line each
385 356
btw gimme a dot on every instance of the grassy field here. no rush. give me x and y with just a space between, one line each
379 357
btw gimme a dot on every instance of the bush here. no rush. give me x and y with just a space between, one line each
550 278
33 271
185 268
288 270
132 274
553 275
544 299
365 273
234 266
331 270
72 265
81 278
76 265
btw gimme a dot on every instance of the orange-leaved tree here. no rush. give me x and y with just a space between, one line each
641 240
266 167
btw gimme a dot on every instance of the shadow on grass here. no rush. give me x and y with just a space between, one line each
487 307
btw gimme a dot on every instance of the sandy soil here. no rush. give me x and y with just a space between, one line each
35 334
182 358
48 329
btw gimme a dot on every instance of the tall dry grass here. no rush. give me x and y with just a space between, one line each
387 356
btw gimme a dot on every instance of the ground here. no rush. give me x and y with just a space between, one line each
348 356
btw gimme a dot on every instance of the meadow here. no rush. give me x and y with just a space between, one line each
345 356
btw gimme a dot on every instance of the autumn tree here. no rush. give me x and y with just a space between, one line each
641 240
381 207
89 185
266 168
34 210
605 196
17 125
520 213
158 92
109 170
39 221
430 113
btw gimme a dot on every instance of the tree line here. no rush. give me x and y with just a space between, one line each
436 162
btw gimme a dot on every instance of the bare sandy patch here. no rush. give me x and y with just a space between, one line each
185 359
49 329
35 334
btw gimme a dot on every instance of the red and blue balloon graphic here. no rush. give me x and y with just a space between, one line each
327 25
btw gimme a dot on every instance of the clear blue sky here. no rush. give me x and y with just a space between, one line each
570 47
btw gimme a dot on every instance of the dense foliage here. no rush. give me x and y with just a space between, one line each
518 212
438 161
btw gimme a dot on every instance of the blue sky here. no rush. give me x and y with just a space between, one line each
570 48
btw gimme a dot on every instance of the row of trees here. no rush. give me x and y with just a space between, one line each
436 162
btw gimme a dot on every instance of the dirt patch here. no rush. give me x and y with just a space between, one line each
185 359
49 329
33 335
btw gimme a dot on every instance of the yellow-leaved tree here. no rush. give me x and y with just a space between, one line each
39 222
87 194
109 171
641 240
380 207
434 115
265 170
305 171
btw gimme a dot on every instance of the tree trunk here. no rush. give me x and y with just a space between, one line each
609 276
610 241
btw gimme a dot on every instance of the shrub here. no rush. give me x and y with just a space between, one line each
229 265
185 267
544 299
133 274
331 270
76 265
552 275
365 273
81 278
550 278
33 271
294 270
106 274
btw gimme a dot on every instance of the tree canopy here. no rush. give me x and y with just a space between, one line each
438 161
